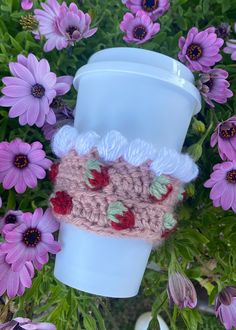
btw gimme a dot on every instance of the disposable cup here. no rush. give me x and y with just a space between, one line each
142 94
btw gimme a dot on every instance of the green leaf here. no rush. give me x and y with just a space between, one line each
89 323
15 44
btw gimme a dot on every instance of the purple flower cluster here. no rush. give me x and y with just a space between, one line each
223 178
61 25
139 26
200 51
182 293
28 240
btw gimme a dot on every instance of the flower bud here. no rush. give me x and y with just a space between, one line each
195 151
198 127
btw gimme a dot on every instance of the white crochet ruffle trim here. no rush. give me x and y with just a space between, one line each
114 145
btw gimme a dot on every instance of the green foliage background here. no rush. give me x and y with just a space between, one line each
205 243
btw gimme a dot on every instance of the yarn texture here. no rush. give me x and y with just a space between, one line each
113 187
114 145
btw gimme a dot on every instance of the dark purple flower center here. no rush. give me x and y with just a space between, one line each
57 103
10 218
21 161
139 32
223 30
231 176
194 52
71 31
31 237
149 5
227 130
38 91
209 84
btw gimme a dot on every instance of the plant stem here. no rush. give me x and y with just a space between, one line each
174 318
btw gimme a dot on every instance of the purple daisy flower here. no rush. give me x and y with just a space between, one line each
231 48
32 240
21 164
181 291
214 86
26 4
30 91
223 184
74 24
139 28
24 323
200 50
48 25
225 136
10 220
62 26
225 307
14 283
153 8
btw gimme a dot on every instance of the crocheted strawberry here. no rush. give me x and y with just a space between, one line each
121 217
53 171
169 225
96 176
62 203
160 188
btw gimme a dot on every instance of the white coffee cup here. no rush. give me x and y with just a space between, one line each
141 94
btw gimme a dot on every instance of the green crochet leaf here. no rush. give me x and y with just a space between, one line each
93 164
169 221
158 188
115 208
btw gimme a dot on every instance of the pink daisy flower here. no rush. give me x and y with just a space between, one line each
10 220
26 4
30 91
139 28
214 86
62 25
22 164
225 137
32 240
223 184
153 8
24 323
12 282
200 50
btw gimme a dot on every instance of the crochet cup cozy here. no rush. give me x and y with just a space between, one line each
114 187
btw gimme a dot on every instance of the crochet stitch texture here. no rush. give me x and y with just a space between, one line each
123 174
128 184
